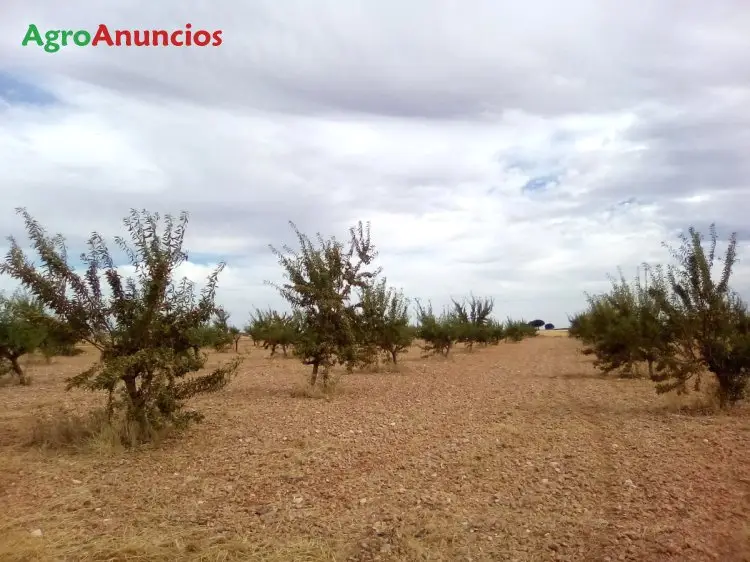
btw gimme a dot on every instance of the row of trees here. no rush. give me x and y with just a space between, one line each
344 313
384 331
675 323
149 329
27 327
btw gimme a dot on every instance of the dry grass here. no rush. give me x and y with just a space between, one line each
518 452
557 333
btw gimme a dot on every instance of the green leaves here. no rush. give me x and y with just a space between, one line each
321 282
145 327
273 330
623 328
383 322
439 332
681 323
707 320
22 330
469 323
518 330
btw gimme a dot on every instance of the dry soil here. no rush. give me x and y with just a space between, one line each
517 452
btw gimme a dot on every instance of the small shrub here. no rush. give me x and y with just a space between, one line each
440 333
474 324
272 330
223 337
236 335
22 331
622 329
518 330
383 323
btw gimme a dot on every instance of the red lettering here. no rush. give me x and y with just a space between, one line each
120 34
164 38
217 38
175 39
102 34
139 41
188 34
201 38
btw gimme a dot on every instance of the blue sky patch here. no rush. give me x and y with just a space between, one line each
18 91
540 183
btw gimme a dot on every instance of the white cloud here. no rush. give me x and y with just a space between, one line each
427 119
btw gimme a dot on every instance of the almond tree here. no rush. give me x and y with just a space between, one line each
383 322
141 325
623 328
21 331
517 330
474 321
236 334
272 329
321 286
223 337
440 333
708 323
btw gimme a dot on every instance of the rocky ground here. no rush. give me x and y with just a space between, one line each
518 452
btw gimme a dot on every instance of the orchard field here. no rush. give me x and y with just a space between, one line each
519 451
140 423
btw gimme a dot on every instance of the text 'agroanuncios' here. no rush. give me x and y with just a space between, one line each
54 39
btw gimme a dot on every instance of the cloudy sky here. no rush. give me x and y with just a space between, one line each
519 150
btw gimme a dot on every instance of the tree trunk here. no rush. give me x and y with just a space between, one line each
730 389
137 402
132 390
18 371
723 394
393 355
314 375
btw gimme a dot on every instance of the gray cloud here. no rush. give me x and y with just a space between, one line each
427 118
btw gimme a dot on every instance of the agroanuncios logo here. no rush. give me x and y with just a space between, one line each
54 39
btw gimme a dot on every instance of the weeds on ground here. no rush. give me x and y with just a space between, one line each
326 392
92 431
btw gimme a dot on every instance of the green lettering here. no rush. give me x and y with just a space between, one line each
82 38
65 35
32 34
52 36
